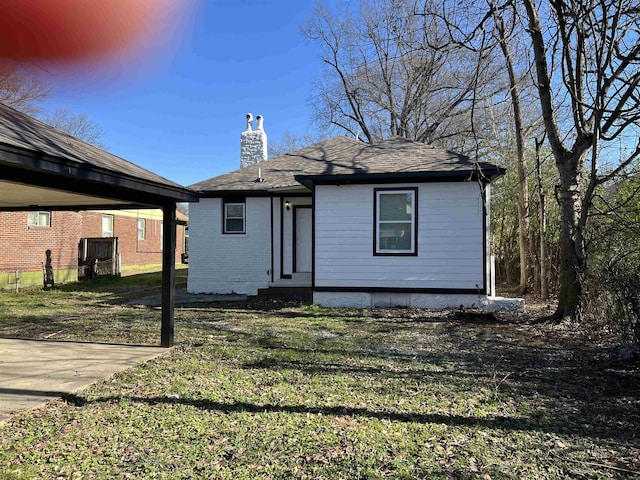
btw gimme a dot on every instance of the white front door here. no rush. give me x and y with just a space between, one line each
302 252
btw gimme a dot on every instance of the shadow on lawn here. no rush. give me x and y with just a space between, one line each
121 289
573 392
396 316
497 422
339 368
571 397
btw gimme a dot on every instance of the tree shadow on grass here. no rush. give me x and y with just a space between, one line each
571 394
343 368
298 310
570 397
494 422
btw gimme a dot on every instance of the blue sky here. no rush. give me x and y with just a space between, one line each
181 114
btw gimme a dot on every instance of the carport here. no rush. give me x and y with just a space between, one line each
42 168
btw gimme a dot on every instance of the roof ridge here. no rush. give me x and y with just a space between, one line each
342 157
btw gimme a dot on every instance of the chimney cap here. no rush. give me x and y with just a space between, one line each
259 119
249 120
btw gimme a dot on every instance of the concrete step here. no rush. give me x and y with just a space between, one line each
301 294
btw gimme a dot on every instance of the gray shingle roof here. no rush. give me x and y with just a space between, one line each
26 133
345 158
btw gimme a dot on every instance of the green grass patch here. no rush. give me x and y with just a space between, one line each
270 390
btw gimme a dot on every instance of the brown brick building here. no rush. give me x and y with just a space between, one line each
26 236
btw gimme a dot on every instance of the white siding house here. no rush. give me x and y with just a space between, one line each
398 223
449 267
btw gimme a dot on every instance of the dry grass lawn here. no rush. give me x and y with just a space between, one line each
272 390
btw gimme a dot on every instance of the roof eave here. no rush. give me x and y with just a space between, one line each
65 169
485 175
234 193
264 192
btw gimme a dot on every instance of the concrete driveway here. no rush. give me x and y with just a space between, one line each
32 372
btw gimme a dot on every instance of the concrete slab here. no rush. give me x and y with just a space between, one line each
502 304
32 372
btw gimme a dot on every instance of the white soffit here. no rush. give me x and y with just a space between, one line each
18 195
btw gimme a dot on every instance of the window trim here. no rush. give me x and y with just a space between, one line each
113 226
413 252
143 222
38 213
235 201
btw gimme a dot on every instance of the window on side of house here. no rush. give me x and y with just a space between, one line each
234 217
107 225
39 219
396 222
142 229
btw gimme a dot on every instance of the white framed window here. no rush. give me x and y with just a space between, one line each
142 229
107 225
396 224
234 217
39 219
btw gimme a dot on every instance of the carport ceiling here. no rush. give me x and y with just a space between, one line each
24 197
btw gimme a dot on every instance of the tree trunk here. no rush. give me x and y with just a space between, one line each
523 225
535 261
569 161
570 282
571 249
542 222
532 255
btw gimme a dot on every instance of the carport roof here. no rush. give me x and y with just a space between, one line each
45 169
41 167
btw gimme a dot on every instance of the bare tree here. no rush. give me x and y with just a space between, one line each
391 70
76 125
468 24
595 46
542 219
292 141
503 32
22 90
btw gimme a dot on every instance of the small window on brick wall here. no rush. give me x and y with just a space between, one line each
39 219
107 225
142 229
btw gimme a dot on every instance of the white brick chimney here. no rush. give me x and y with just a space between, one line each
253 143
